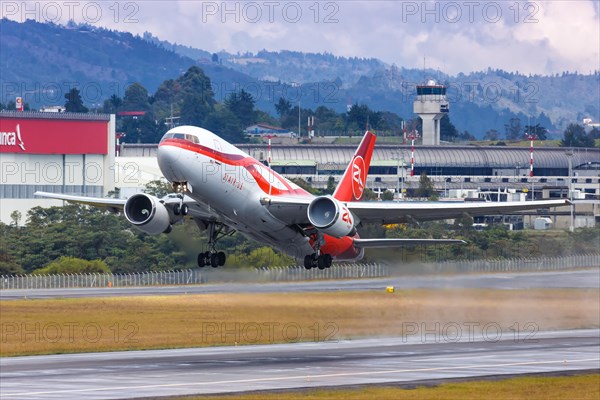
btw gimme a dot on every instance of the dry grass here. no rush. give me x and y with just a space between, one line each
583 387
106 324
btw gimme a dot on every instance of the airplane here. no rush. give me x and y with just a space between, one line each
223 190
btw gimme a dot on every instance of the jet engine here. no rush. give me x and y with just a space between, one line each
147 214
331 217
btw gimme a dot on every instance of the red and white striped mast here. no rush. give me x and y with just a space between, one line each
413 135
531 138
269 151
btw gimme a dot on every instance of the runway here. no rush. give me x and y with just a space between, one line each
589 278
412 358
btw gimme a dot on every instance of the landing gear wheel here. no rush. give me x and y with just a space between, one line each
326 260
321 262
214 260
308 261
181 209
221 258
201 258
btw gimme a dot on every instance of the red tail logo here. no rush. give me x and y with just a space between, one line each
352 185
359 177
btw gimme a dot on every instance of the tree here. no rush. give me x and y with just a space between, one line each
331 185
387 195
194 110
15 216
136 98
159 188
513 130
242 106
11 105
225 124
74 102
466 137
537 130
448 131
575 136
492 134
112 105
426 188
195 82
73 265
357 117
283 107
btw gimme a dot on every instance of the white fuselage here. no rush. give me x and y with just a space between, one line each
231 183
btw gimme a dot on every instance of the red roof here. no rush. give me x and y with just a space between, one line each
131 113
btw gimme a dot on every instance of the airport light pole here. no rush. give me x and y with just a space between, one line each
569 154
399 156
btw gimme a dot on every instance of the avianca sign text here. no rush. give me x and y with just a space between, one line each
50 136
12 138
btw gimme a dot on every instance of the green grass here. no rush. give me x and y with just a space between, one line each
47 326
580 387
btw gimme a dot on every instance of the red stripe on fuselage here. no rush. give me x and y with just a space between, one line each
341 248
237 160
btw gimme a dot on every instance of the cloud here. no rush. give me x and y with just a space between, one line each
542 37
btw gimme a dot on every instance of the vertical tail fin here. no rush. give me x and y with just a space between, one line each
352 185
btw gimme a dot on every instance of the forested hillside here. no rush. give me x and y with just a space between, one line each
42 62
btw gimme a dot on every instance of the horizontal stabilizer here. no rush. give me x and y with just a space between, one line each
372 243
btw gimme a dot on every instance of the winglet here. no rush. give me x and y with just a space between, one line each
352 185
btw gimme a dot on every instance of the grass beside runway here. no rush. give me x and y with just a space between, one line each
50 326
581 387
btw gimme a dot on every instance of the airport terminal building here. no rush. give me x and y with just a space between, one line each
53 152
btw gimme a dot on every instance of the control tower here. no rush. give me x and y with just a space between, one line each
431 105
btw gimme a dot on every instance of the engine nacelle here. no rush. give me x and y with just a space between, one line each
331 217
147 214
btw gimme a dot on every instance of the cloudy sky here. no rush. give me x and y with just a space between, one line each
538 37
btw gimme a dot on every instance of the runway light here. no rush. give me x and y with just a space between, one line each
389 289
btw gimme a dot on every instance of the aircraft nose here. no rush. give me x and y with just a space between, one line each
168 157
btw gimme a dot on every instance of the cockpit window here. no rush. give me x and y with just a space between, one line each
184 136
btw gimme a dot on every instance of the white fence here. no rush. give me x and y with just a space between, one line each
294 273
516 264
193 277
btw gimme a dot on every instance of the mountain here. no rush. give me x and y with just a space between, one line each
42 61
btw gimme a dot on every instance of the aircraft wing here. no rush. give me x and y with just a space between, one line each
398 212
375 243
293 210
102 202
196 210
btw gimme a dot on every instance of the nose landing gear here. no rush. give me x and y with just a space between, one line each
180 188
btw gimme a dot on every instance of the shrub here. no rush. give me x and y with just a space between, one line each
73 265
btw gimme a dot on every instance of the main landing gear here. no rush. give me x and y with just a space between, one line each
316 259
213 257
321 261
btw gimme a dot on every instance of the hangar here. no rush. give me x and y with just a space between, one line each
53 152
